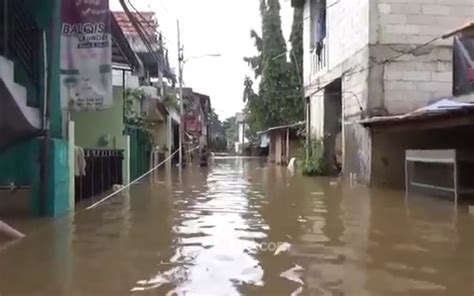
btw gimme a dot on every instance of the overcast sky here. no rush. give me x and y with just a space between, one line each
208 27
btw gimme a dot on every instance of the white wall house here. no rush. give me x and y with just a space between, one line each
364 58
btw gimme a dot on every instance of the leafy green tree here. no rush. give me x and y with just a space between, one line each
231 130
280 98
218 137
296 101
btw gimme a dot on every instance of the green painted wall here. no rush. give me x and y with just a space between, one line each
18 163
58 201
21 163
91 126
24 156
44 15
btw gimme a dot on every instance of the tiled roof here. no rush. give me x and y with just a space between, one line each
146 18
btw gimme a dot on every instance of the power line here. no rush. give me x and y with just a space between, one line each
164 6
147 22
144 20
352 71
139 28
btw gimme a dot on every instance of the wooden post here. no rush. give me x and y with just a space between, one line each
456 181
287 145
5 28
407 179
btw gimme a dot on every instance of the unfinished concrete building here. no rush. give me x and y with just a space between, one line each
372 58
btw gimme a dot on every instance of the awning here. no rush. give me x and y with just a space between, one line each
297 3
291 126
469 27
442 114
122 53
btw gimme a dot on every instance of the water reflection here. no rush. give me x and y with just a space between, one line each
243 228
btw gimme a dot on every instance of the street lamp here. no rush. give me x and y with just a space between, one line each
181 64
209 55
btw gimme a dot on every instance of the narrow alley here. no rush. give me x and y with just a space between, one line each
243 227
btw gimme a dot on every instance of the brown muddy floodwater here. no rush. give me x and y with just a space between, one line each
243 228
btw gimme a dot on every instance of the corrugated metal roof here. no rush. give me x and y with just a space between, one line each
441 108
292 125
465 28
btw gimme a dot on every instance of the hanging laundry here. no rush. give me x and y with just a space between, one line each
79 162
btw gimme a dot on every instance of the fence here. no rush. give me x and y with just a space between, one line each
103 170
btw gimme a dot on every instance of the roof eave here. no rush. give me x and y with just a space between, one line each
468 28
297 3
124 47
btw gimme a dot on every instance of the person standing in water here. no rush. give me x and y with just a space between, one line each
204 157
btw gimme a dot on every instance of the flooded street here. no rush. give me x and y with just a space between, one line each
241 227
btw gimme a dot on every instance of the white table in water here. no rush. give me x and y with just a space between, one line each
451 157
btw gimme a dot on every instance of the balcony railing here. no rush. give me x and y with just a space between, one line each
21 38
320 62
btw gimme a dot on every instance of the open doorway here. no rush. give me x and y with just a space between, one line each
333 127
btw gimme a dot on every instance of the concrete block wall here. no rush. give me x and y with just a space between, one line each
355 94
411 81
347 33
355 103
348 29
354 72
418 21
317 114
361 32
355 85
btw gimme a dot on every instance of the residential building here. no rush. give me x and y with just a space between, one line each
38 178
197 115
152 52
102 134
159 107
372 58
29 172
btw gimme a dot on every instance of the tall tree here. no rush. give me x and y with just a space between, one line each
296 57
274 82
231 130
279 98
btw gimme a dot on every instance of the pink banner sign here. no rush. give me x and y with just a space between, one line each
86 55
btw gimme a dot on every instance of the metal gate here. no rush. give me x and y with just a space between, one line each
140 150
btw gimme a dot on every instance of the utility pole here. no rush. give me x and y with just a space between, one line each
181 98
160 68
